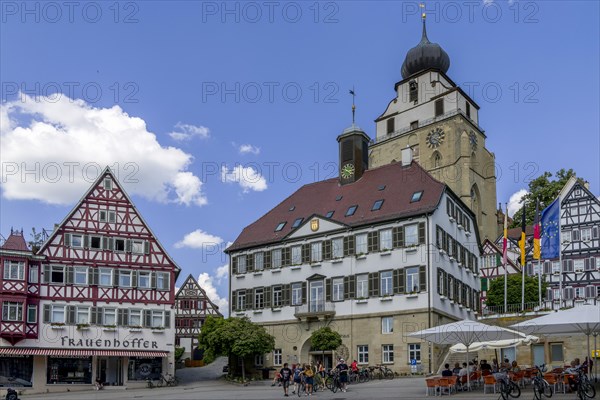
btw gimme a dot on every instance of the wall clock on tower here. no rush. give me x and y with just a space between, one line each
347 171
435 138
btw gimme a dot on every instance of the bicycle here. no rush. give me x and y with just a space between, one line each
333 381
169 380
585 389
541 387
508 388
301 388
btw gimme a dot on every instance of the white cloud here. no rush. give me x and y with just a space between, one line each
249 149
199 239
206 282
222 273
52 150
185 132
514 203
247 177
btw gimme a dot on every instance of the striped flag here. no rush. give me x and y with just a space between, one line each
505 239
523 239
537 234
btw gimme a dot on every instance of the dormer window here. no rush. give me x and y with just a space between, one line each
416 196
108 184
297 223
329 214
351 211
377 205
280 226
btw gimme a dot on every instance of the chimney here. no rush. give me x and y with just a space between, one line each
407 156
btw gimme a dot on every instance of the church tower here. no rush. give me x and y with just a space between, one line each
354 154
440 122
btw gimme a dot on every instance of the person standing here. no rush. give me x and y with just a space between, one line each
286 377
309 379
297 378
342 368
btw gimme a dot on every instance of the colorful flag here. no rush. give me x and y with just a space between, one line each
536 232
550 231
523 239
505 239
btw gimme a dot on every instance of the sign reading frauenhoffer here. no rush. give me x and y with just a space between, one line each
109 343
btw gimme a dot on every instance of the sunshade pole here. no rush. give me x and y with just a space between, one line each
468 370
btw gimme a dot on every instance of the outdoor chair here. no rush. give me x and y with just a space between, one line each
489 381
552 380
444 384
453 383
432 385
527 375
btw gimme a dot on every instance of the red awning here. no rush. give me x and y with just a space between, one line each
66 352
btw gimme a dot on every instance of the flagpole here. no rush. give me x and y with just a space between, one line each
523 261
504 250
540 282
560 266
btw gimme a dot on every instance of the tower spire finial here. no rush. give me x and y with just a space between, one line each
424 37
353 105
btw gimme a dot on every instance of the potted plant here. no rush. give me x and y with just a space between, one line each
109 328
83 327
57 325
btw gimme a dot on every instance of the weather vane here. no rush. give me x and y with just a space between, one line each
353 106
423 14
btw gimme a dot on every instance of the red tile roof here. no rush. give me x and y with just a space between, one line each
320 197
515 233
15 241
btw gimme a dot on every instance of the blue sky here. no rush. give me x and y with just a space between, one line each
225 108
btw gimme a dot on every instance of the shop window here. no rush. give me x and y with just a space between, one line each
16 371
141 369
69 370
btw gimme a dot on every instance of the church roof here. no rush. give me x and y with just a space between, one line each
394 184
15 241
424 56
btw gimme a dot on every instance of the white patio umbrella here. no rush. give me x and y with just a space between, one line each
465 332
582 320
496 344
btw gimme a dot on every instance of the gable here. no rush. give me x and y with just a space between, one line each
316 225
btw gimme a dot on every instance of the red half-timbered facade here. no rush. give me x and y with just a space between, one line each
95 302
192 307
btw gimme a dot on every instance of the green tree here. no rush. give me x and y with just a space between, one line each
234 337
36 240
495 293
545 190
325 339
179 353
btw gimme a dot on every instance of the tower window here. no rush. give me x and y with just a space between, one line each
351 211
390 125
439 107
414 125
280 226
377 205
347 151
413 94
468 109
297 222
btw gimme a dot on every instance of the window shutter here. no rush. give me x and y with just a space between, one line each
68 239
327 250
128 245
147 318
422 278
421 232
46 313
304 294
305 253
372 241
398 236
346 287
234 264
93 315
249 262
349 245
70 314
134 279
446 283
69 274
328 288
374 284
111 244
285 294
549 294
146 247
46 277
589 291
440 284
267 296
396 280
401 281
115 277
595 232
352 286
267 260
569 293
167 319
249 299
121 319
86 241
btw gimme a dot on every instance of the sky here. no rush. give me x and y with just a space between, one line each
212 112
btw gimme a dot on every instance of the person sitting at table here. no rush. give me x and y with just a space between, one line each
505 365
472 367
485 366
495 366
571 372
456 369
462 376
587 365
515 367
447 371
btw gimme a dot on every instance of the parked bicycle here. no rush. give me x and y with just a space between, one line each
332 382
381 372
508 388
585 389
169 380
541 387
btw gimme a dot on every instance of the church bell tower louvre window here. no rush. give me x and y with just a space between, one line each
439 107
390 125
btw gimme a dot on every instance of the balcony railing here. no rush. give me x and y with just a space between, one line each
534 307
316 309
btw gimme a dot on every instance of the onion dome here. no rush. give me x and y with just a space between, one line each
424 56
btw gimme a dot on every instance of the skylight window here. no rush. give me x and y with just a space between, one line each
377 205
351 211
280 226
381 187
339 198
416 196
297 223
329 214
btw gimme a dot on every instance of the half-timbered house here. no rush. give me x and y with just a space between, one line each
100 292
192 306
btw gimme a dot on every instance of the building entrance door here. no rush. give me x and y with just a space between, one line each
110 371
539 355
317 298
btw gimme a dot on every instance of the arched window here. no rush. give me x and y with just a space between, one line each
437 160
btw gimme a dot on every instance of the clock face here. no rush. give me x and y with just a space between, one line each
473 140
435 138
347 171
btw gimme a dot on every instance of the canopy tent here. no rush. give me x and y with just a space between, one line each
579 320
467 333
495 344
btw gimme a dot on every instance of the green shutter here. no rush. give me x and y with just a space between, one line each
250 262
67 238
396 280
446 283
349 245
328 289
267 296
352 286
69 274
327 250
422 278
86 241
267 260
304 294
234 264
374 284
421 232
372 241
128 245
346 287
46 316
134 279
402 281
146 247
398 236
249 299
71 315
46 274
285 294
167 319
305 253
484 284
286 256
115 277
